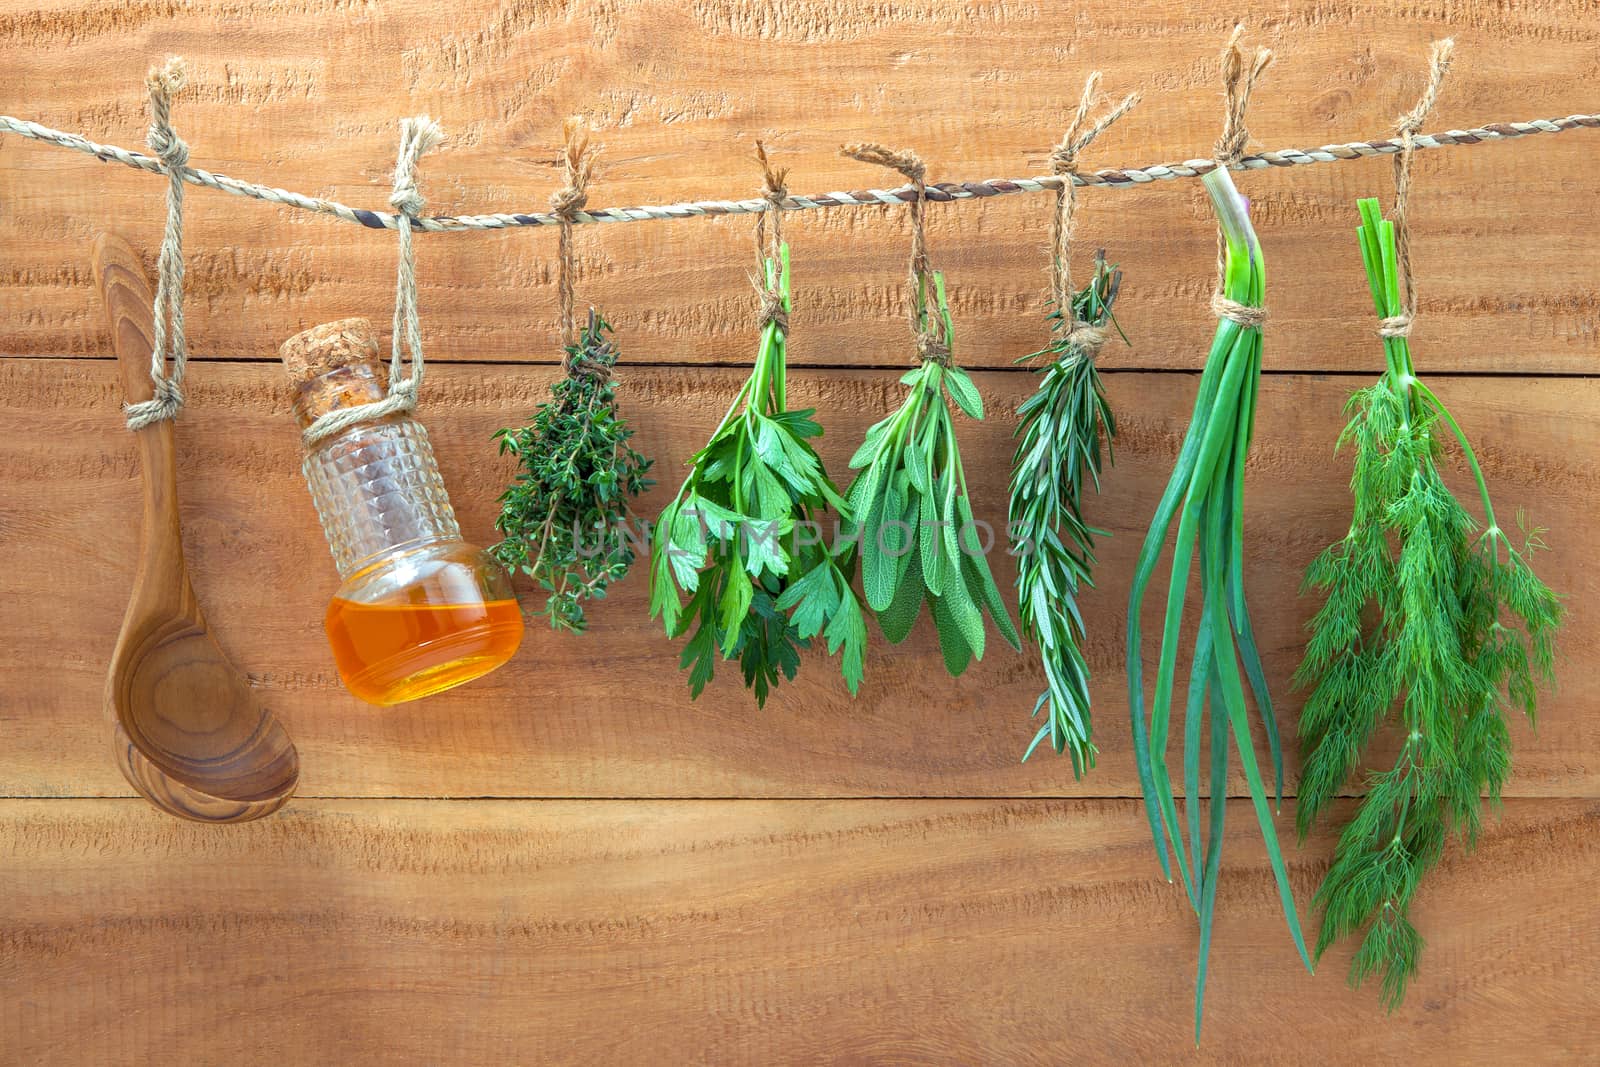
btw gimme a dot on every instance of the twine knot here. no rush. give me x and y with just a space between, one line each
1395 326
1087 338
168 147
931 349
1245 315
166 404
773 312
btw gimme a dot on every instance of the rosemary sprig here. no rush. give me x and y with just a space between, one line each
1059 439
1207 485
1418 603
742 540
563 520
914 525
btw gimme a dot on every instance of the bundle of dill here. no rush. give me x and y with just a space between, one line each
564 519
1059 440
1428 616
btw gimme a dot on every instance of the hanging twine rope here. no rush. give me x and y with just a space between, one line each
577 160
168 338
1087 337
769 242
928 329
1408 125
1238 80
417 135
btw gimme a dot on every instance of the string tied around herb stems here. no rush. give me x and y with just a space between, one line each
769 241
169 341
577 164
1408 126
933 344
1085 336
1238 82
417 136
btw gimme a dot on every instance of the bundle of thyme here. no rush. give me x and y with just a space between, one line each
564 521
1059 440
1425 615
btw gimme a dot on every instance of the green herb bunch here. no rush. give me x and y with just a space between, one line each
742 538
1207 487
1426 616
914 528
564 519
1064 425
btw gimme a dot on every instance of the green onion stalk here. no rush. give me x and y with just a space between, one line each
1425 614
1206 498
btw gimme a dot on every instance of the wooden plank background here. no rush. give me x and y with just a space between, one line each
570 861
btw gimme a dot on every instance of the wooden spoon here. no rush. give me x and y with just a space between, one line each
190 734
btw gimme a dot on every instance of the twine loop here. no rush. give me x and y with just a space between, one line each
1064 163
168 339
577 164
417 136
933 344
769 243
1238 82
1408 124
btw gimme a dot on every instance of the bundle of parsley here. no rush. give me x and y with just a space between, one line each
742 540
1428 616
564 520
1063 427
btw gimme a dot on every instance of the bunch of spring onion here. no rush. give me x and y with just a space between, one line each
1428 616
1206 497
1064 427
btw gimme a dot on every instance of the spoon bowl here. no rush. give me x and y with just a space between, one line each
190 734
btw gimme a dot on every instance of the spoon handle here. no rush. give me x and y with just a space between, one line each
125 291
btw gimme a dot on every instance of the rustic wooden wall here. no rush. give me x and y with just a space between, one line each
570 861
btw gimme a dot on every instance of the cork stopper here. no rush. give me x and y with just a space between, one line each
314 352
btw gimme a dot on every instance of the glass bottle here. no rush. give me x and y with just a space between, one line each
420 610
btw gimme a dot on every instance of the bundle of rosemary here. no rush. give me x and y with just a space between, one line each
1059 440
1062 428
1207 486
1427 615
913 521
566 519
742 538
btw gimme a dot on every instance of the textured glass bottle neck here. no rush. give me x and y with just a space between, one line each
376 486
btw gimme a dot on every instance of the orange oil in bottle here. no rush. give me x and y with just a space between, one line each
404 649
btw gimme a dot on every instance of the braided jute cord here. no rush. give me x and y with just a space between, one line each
1238 81
769 241
937 192
928 327
577 165
1408 125
1085 336
417 135
168 337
